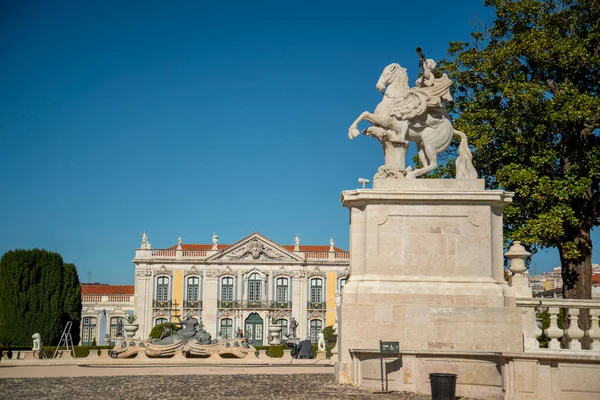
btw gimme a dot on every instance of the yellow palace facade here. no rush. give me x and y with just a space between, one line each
248 285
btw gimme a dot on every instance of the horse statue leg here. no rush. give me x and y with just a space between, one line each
384 121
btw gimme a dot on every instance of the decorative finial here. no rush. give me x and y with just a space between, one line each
297 243
331 245
215 241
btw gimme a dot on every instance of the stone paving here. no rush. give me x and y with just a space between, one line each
250 387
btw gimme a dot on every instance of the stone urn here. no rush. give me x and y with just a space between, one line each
274 331
130 330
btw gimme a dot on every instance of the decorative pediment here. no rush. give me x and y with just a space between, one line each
343 273
255 248
316 314
316 272
163 271
192 271
226 271
283 272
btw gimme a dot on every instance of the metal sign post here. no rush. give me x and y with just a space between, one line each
386 348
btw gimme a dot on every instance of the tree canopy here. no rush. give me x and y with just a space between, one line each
526 94
39 293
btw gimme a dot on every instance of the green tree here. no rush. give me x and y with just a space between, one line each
38 293
526 93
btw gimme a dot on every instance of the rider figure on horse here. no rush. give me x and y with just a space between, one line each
424 104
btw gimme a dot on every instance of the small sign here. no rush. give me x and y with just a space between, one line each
390 347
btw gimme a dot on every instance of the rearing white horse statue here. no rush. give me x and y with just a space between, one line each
417 115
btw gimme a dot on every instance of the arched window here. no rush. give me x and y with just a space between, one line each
193 288
227 328
114 323
254 285
227 289
316 290
281 289
284 327
162 288
160 321
316 326
88 331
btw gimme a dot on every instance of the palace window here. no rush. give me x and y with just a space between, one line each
316 326
162 288
227 328
343 283
114 322
316 290
282 289
88 331
226 289
254 285
160 321
193 289
284 327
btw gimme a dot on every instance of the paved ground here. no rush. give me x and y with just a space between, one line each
240 383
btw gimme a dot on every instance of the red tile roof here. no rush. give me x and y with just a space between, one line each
106 290
596 279
285 246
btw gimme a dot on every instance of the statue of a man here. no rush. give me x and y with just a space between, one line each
331 245
215 241
293 326
179 241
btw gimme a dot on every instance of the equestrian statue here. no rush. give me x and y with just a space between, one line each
418 115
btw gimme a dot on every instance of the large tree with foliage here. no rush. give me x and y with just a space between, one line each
526 93
38 293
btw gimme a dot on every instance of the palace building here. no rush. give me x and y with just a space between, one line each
247 285
103 307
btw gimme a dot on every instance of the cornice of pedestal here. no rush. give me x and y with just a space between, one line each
428 191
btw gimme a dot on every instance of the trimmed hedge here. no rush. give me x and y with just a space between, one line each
157 331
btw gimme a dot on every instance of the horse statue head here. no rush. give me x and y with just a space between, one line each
393 75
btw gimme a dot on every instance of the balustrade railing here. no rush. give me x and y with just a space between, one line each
559 336
229 304
314 305
316 254
163 253
162 304
255 304
194 253
193 304
281 305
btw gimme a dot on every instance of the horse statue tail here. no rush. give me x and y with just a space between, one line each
464 161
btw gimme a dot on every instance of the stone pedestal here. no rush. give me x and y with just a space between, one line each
426 270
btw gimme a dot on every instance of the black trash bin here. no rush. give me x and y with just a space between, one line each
443 386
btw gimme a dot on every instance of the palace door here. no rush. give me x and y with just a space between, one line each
254 329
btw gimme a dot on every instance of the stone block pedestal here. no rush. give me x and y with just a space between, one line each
426 270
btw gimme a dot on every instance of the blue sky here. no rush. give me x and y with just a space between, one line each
189 118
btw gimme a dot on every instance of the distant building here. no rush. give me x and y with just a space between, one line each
103 306
244 285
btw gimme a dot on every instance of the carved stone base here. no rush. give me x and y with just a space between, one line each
387 177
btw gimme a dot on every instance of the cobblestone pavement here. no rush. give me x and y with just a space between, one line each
242 387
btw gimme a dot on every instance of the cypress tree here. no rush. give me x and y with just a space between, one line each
39 293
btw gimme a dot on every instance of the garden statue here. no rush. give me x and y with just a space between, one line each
321 341
37 342
415 114
293 326
145 243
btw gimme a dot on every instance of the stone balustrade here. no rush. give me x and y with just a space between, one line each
568 338
166 254
573 334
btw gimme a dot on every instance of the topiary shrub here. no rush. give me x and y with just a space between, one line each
329 335
158 330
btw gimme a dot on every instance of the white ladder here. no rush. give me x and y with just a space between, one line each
66 340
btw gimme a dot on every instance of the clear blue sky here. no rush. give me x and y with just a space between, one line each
188 118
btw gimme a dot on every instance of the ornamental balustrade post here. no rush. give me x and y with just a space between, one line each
574 332
519 281
594 332
553 331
